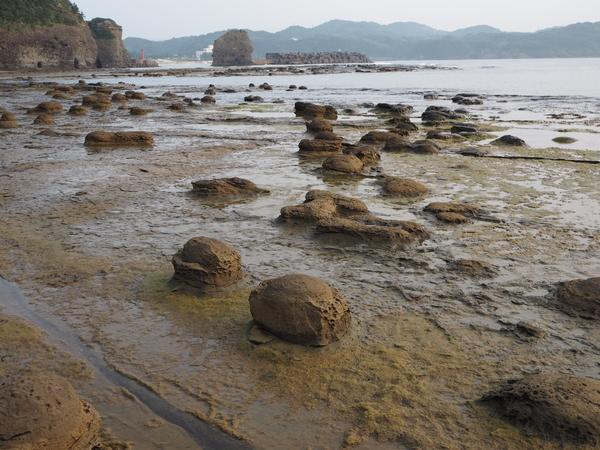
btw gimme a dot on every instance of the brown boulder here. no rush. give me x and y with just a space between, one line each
300 309
460 208
321 205
118 97
41 410
318 125
425 147
44 119
372 229
402 187
102 104
509 140
226 187
378 137
208 99
133 95
312 111
327 136
343 163
397 144
368 155
452 217
474 268
47 108
581 297
208 264
320 146
8 121
108 139
137 111
560 407
78 110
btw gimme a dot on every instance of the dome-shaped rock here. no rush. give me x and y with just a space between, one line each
208 264
318 125
581 297
300 309
41 410
8 121
557 406
343 163
402 187
226 187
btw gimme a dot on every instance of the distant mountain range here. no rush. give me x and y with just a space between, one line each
397 41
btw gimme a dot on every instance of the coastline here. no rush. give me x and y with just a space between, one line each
88 236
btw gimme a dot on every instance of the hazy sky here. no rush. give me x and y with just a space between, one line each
160 20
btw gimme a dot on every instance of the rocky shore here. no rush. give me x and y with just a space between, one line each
457 278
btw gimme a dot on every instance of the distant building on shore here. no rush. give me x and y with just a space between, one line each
207 50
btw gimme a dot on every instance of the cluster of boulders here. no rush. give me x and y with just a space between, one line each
295 308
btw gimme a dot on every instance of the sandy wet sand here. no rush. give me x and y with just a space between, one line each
87 235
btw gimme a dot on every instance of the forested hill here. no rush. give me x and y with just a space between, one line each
31 13
398 41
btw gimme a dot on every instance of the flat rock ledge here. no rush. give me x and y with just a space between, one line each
120 138
41 410
559 407
208 265
300 309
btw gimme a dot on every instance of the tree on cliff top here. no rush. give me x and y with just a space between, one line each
30 13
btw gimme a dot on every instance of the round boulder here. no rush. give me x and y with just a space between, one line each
557 406
318 125
581 297
208 264
41 410
300 309
343 163
402 187
8 121
509 140
78 110
44 119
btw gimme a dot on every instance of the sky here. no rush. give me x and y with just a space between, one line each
161 20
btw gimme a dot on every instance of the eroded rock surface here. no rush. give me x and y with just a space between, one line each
312 111
343 163
300 309
41 410
208 264
226 187
402 187
108 139
581 297
322 205
557 406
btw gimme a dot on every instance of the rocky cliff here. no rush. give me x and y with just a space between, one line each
109 40
53 35
233 49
